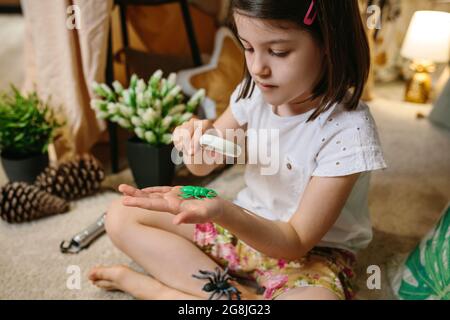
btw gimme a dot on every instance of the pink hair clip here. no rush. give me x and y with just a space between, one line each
310 17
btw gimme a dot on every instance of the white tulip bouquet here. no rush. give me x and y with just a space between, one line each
152 110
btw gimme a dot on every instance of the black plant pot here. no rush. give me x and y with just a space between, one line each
150 165
24 169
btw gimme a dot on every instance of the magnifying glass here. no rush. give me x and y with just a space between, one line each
220 145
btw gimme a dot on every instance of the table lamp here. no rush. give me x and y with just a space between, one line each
427 42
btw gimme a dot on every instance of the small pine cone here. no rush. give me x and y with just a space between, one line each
20 202
72 179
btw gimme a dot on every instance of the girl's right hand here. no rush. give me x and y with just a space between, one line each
186 137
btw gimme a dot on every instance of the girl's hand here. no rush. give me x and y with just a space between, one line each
186 137
167 199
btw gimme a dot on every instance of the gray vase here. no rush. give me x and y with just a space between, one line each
150 165
24 169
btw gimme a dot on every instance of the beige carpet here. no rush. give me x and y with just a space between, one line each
405 202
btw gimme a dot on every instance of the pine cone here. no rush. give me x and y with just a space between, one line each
20 202
72 179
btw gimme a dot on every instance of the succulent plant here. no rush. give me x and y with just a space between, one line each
27 124
150 109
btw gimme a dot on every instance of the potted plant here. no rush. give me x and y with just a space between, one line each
27 127
151 110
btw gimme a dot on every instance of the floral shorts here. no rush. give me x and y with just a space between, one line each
330 268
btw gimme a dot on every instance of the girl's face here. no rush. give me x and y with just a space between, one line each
285 63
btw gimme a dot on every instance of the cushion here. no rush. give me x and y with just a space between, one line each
219 77
425 274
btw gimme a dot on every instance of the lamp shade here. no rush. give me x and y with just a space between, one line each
428 37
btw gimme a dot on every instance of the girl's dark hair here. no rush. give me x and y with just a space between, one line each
338 29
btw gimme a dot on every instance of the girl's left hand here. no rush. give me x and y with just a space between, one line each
167 199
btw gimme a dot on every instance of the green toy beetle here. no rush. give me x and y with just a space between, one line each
197 192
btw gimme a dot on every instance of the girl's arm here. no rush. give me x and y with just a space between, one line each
320 206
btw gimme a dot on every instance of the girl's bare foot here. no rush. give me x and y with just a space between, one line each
122 278
141 286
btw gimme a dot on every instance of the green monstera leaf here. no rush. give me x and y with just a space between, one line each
427 268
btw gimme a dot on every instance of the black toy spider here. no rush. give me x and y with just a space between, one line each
218 284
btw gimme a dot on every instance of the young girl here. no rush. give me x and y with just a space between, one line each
295 231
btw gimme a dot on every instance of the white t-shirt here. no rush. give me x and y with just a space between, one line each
337 143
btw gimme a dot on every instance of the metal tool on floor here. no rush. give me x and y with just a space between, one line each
83 239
